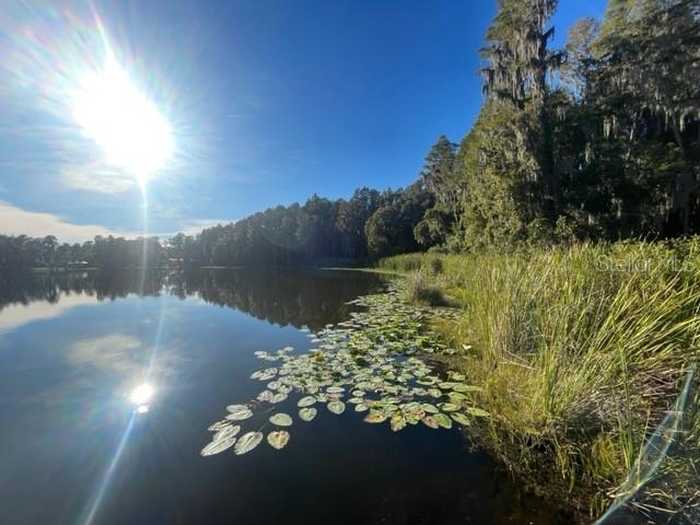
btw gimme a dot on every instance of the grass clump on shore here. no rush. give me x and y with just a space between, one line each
579 352
419 290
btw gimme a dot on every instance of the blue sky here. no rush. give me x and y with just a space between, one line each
269 101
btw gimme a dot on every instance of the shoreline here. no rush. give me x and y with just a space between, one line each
554 339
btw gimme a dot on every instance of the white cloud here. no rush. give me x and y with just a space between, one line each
16 315
16 221
114 353
95 179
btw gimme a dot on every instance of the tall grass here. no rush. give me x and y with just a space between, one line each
579 352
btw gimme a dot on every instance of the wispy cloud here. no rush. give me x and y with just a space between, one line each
16 221
100 180
114 353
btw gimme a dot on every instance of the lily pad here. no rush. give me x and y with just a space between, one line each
307 414
461 419
361 407
397 422
430 421
218 445
278 397
278 439
466 388
219 425
225 432
443 420
477 412
337 407
247 442
281 420
239 412
375 416
306 401
265 395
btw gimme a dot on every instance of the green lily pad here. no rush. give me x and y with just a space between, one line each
247 442
307 414
278 397
461 419
375 416
443 420
397 422
466 388
278 439
477 412
218 445
431 422
238 412
306 401
266 395
281 420
337 407
226 432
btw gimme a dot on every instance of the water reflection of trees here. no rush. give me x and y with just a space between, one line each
281 296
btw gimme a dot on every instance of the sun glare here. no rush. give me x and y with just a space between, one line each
142 394
128 127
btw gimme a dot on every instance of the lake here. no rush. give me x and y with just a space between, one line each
77 444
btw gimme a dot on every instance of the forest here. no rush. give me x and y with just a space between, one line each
598 141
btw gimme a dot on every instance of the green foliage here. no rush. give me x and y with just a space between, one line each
390 230
420 291
22 253
577 352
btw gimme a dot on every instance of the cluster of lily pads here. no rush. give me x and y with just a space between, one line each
376 364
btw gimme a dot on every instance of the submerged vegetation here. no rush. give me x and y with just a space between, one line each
578 353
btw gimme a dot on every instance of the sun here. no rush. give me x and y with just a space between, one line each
128 127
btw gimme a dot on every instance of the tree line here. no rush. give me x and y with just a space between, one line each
22 252
596 141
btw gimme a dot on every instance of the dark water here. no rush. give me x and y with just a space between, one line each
73 450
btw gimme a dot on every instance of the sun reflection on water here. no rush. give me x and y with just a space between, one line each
141 397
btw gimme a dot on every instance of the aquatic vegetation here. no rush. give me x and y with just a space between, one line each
227 431
308 414
281 420
278 439
383 359
247 442
337 407
574 355
306 401
239 412
217 446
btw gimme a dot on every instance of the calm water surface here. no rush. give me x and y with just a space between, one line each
74 450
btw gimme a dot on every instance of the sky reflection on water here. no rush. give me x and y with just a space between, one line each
85 440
